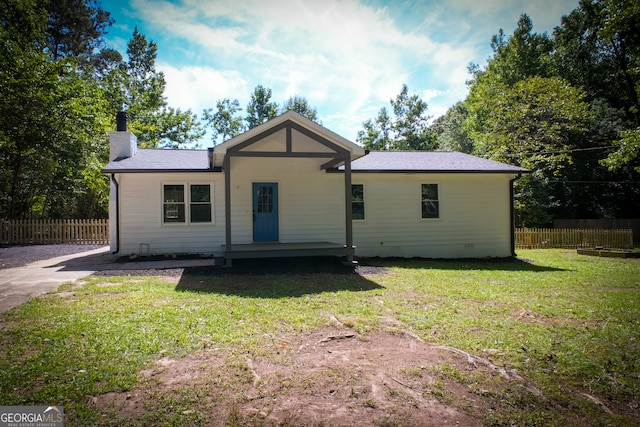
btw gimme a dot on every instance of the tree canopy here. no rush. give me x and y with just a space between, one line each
59 91
407 129
226 121
566 107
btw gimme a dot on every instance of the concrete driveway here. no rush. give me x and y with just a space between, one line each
19 284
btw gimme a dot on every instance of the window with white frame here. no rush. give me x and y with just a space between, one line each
176 200
357 201
200 203
173 206
430 201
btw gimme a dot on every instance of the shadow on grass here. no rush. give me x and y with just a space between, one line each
495 264
295 277
279 278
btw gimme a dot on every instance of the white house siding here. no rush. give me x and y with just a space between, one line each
474 216
141 215
311 201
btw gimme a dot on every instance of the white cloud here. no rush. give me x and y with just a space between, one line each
198 88
347 58
340 51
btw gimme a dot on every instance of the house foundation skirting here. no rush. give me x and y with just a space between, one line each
284 250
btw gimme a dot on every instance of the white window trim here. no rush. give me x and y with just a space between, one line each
439 218
187 203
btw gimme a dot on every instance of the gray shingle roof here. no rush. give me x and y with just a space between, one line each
152 160
149 160
428 161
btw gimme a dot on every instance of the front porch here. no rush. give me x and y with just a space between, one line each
284 250
276 186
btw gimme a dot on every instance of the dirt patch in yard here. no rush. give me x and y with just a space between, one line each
333 376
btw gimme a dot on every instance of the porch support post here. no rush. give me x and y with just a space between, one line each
348 207
227 205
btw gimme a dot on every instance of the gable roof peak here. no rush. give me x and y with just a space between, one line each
289 118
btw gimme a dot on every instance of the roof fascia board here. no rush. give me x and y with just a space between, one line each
417 171
319 138
257 137
107 171
299 120
288 124
302 154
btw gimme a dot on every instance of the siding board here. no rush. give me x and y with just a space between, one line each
474 216
141 215
474 211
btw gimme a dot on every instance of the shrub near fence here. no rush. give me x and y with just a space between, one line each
536 238
79 231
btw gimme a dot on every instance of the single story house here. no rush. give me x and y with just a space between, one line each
291 187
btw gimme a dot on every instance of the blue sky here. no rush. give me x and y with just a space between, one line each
348 58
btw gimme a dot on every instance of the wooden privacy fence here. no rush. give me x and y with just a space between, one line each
536 238
46 231
602 223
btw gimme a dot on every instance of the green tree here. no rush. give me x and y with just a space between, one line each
524 54
51 119
537 124
301 106
627 152
598 48
260 108
137 87
75 28
537 121
170 128
225 121
411 122
408 129
58 97
376 134
451 132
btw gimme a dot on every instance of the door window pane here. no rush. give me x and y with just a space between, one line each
265 199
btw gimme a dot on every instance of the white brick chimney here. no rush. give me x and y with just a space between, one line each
122 143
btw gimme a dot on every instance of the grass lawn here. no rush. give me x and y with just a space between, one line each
557 336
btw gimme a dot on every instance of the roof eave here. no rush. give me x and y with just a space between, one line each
446 171
108 171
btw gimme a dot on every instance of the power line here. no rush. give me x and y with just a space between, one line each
573 150
595 182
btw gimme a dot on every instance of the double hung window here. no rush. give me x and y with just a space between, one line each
357 201
176 200
430 201
200 203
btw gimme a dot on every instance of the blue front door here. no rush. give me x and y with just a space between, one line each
265 212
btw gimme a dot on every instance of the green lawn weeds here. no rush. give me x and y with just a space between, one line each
569 324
